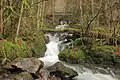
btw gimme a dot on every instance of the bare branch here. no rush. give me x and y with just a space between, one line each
38 3
90 22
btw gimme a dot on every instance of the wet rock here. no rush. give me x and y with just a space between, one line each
102 70
31 65
117 72
43 74
23 76
6 75
61 71
53 78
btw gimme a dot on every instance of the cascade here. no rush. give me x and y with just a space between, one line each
51 57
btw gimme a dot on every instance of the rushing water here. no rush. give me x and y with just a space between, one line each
51 57
87 74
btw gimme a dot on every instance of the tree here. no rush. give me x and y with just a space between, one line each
1 19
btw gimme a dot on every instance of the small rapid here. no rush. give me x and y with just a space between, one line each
51 57
90 74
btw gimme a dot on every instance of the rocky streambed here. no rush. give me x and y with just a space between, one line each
32 69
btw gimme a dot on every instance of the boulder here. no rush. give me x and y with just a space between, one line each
6 75
23 76
61 71
31 65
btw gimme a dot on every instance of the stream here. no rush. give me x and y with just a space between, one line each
51 57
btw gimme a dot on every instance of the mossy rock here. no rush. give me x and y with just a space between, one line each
102 54
38 45
72 55
58 69
23 76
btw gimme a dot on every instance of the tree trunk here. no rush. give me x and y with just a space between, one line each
53 11
18 27
81 12
98 21
1 20
38 16
43 12
92 8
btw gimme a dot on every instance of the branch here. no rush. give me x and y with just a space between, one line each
38 2
90 22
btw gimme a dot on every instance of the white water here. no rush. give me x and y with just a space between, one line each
51 54
87 74
51 57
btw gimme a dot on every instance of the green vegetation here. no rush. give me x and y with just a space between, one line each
96 22
38 46
91 51
11 50
72 55
30 48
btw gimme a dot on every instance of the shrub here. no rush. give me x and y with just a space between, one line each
12 50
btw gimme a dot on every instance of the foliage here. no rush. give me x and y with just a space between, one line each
117 60
105 49
91 50
38 46
11 50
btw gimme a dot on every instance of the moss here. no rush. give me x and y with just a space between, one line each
38 45
72 55
117 60
102 54
103 48
23 76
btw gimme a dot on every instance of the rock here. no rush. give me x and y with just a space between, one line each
117 72
43 74
31 65
74 55
23 76
61 71
53 78
6 75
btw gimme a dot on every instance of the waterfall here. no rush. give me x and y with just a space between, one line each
51 57
51 54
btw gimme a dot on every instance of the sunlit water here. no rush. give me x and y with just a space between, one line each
51 57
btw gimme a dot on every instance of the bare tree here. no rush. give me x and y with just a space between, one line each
19 22
53 11
38 16
92 8
81 12
43 12
91 20
1 18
